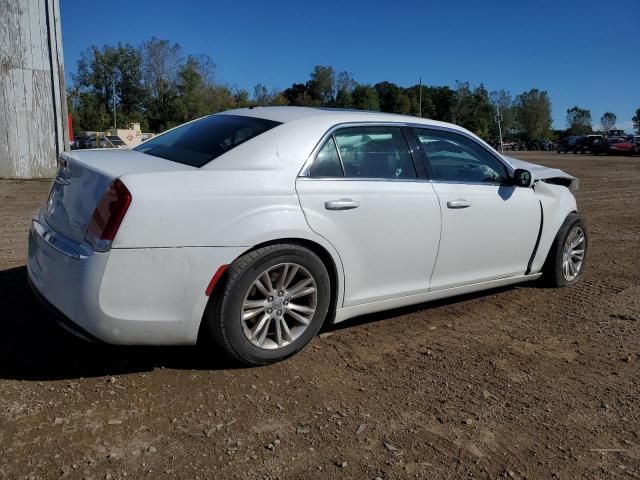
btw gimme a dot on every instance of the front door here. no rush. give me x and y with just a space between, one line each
489 226
363 195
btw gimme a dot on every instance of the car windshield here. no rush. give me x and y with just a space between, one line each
198 142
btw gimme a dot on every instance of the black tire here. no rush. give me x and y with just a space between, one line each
223 313
553 268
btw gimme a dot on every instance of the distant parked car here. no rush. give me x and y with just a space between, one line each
599 146
589 143
636 140
622 146
569 144
80 142
102 143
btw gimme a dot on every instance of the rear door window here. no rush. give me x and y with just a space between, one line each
375 152
203 140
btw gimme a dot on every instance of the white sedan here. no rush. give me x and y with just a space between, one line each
254 227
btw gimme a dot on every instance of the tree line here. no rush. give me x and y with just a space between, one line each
580 123
158 86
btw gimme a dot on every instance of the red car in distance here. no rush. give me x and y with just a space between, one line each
622 145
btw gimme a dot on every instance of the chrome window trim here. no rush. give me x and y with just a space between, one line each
304 171
411 180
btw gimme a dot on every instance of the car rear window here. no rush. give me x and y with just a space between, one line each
199 142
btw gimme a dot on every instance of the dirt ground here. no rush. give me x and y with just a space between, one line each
523 382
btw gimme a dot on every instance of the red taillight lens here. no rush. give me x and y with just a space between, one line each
110 211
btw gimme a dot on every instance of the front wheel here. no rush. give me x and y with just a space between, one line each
565 262
273 303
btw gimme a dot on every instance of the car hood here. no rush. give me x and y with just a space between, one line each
545 174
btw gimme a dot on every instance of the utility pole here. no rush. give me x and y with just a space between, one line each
499 120
420 102
113 96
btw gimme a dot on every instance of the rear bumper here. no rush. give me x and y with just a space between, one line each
62 320
135 296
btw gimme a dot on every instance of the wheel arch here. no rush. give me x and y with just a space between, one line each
558 203
331 263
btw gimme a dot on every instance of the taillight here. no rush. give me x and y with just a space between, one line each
109 212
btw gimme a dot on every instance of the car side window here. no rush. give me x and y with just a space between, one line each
456 158
375 152
327 162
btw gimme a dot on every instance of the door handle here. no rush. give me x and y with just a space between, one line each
459 204
342 204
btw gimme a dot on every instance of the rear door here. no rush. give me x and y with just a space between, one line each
362 193
489 226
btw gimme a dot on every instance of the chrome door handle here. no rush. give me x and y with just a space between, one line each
342 204
459 204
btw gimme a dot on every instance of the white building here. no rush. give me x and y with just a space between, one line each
33 110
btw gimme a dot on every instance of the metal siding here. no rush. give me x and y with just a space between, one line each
33 119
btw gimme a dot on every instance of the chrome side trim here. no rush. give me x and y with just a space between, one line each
59 243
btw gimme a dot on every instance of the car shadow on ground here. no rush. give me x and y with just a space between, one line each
34 347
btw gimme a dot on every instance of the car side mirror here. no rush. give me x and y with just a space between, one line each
522 178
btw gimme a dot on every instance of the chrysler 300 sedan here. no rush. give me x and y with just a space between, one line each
254 227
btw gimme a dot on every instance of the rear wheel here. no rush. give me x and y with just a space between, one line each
566 258
273 303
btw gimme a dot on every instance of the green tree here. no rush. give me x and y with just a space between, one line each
579 121
428 108
472 109
321 87
442 99
193 96
608 121
87 111
240 98
261 95
365 97
106 76
345 85
277 98
533 114
636 121
161 63
298 95
393 99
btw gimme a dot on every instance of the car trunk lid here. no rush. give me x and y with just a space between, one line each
84 177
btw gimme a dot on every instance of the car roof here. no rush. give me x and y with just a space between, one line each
340 115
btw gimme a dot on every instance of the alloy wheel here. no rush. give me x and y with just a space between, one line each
279 306
573 254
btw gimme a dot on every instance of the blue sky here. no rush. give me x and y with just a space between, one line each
582 52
